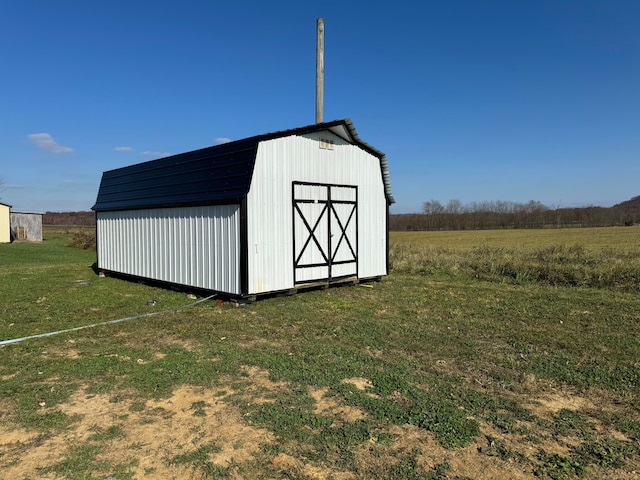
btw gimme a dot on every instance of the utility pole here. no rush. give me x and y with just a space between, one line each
319 69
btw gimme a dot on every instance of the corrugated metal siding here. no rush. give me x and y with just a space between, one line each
213 175
282 161
194 246
31 223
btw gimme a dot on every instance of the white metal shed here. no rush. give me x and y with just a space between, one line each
270 213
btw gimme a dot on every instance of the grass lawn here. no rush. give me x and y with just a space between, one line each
483 355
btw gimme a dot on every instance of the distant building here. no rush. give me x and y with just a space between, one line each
275 212
26 226
5 223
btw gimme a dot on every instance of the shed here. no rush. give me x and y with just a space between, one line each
27 226
5 223
270 213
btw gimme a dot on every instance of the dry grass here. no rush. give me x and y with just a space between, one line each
596 257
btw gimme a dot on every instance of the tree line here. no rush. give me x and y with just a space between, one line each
454 215
84 219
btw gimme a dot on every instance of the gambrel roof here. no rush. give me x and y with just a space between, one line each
214 175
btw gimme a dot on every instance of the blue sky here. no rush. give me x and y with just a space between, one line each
470 100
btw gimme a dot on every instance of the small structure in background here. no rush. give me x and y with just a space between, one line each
271 213
26 226
5 223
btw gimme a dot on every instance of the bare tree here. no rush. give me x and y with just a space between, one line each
432 207
454 206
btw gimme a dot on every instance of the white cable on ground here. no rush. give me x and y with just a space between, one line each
16 340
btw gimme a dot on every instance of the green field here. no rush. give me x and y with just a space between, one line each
487 354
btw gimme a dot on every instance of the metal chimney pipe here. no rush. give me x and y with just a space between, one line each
319 69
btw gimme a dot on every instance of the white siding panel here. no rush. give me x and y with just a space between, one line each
193 246
270 218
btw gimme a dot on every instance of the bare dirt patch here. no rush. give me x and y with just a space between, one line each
166 341
326 405
145 437
61 353
466 462
146 440
289 464
360 383
550 403
256 382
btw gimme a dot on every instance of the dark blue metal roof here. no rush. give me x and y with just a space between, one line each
212 175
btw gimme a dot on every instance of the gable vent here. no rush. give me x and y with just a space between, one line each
326 144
